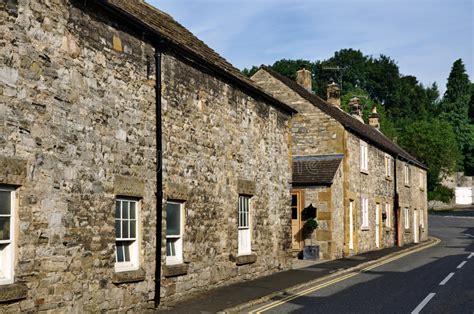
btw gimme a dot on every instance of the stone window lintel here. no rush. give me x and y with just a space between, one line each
245 259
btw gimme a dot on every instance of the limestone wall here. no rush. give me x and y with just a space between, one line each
312 131
374 185
77 128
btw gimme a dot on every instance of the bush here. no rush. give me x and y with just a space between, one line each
441 193
309 226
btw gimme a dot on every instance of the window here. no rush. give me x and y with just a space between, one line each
388 166
422 180
407 174
126 231
407 217
174 232
365 213
388 215
7 234
364 157
244 225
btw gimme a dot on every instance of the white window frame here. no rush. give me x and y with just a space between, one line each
406 212
388 166
388 213
364 203
131 242
177 258
406 171
244 226
8 247
422 180
364 156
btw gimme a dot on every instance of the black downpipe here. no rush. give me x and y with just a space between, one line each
396 204
159 172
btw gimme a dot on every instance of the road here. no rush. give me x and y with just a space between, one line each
439 279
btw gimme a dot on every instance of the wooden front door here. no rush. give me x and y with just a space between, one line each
296 226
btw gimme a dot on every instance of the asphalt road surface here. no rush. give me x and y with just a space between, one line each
439 279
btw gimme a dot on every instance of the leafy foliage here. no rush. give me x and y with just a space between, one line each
309 226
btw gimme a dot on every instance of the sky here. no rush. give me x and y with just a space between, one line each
424 37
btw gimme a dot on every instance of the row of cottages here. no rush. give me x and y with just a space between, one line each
120 191
368 192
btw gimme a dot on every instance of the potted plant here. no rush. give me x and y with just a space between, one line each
310 251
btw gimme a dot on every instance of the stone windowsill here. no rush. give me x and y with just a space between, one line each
388 178
175 270
364 229
407 230
13 292
128 276
407 185
364 171
245 259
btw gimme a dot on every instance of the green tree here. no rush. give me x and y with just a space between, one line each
455 110
433 143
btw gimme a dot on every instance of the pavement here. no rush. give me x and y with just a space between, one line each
438 279
242 296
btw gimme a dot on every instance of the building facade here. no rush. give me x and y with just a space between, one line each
369 193
83 152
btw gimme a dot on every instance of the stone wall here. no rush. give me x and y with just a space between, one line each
374 185
77 129
312 131
216 137
414 197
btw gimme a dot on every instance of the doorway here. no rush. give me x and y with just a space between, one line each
296 226
377 225
415 227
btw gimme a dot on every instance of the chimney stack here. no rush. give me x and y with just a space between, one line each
303 77
374 119
333 94
356 108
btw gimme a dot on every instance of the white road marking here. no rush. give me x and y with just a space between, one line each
445 280
423 303
470 255
469 235
461 265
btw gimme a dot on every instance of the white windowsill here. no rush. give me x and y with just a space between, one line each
122 267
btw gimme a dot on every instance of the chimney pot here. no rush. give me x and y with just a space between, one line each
333 94
356 108
303 77
374 120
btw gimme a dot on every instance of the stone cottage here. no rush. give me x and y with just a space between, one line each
368 192
95 151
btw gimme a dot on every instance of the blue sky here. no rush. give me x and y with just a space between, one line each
424 36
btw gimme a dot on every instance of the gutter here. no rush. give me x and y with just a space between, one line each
159 171
396 204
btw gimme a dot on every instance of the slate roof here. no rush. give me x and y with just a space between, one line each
315 170
364 131
176 35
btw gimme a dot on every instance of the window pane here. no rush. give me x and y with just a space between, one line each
119 250
4 228
133 228
117 209
294 200
133 210
173 219
170 247
126 248
117 229
124 209
124 228
5 203
294 213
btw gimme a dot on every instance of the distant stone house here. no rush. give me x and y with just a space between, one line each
94 151
368 192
